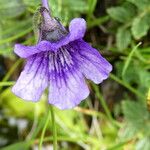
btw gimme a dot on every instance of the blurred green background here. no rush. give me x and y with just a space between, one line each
116 115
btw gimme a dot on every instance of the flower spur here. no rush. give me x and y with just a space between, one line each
61 61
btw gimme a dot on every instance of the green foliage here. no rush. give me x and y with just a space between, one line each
143 144
136 115
66 10
140 26
19 108
133 15
125 122
123 13
134 75
16 28
17 146
123 38
128 60
141 4
133 112
10 9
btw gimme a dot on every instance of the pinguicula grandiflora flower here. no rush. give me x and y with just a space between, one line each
61 61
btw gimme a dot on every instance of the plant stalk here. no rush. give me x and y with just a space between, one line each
53 128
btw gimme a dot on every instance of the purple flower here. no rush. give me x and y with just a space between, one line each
61 61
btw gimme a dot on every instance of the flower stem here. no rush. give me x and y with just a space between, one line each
104 105
130 88
46 4
54 128
43 132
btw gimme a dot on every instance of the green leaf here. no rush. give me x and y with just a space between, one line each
11 9
18 107
92 5
141 4
11 30
136 115
128 59
68 9
122 13
123 38
33 3
134 111
143 144
117 13
73 121
128 132
17 146
140 26
144 77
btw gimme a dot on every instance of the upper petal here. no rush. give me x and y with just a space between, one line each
92 64
27 51
77 30
33 79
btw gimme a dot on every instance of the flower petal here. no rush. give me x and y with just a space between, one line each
27 51
77 30
92 64
33 79
67 85
68 91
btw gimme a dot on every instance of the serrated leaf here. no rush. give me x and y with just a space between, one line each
128 132
122 13
144 77
133 111
123 38
140 26
136 114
